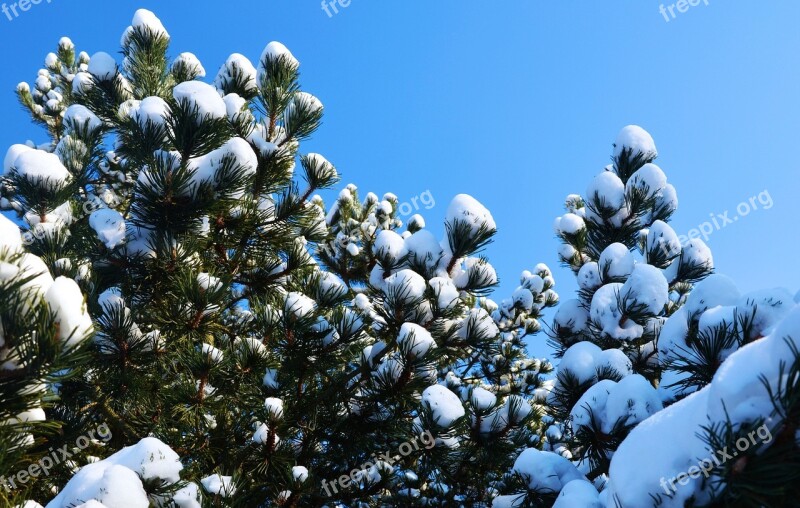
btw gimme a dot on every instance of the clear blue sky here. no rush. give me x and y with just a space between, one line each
516 103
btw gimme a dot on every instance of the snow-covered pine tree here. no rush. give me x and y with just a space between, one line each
271 348
43 322
632 273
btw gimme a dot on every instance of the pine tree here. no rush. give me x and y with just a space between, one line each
251 348
632 274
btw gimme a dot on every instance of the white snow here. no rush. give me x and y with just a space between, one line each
466 209
77 116
638 140
545 471
237 65
206 166
482 399
189 62
589 276
631 400
581 361
43 167
300 473
150 109
445 405
446 292
10 235
214 354
102 66
201 96
616 261
117 480
648 180
219 485
571 224
389 247
607 315
13 152
646 288
661 237
415 339
273 51
67 304
571 315
109 226
299 305
274 407
578 494
146 20
609 191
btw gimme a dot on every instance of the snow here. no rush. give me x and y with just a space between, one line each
592 403
661 237
714 290
67 304
213 354
466 209
219 485
672 436
298 305
274 408
646 288
146 20
580 361
299 473
206 166
152 110
766 307
446 292
571 224
190 62
589 276
648 180
13 152
482 399
545 471
77 116
614 359
43 167
616 261
415 339
10 236
82 82
631 400
636 139
187 497
237 65
208 282
234 106
117 480
607 315
578 494
445 405
571 315
423 248
478 323
406 283
201 96
273 51
109 225
102 66
609 190
389 247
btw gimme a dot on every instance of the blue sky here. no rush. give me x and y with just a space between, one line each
516 103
